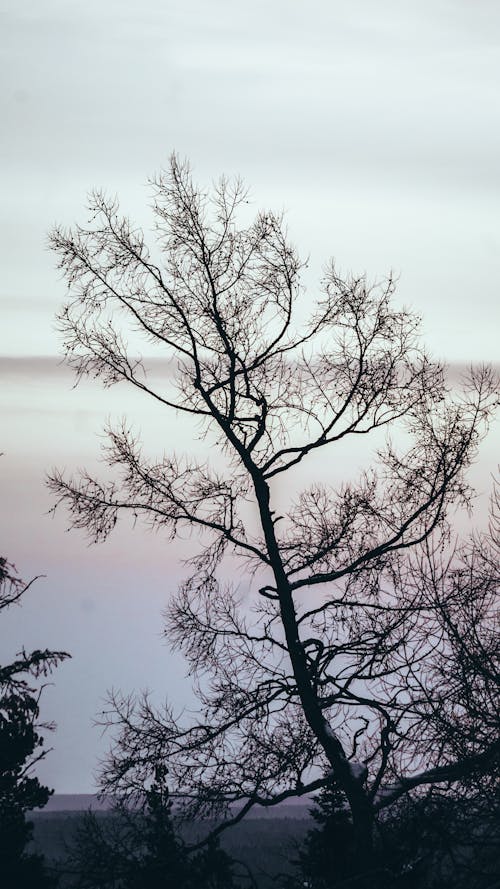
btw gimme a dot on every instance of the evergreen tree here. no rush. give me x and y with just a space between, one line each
21 746
134 849
327 857
433 842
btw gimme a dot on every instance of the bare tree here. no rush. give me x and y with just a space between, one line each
329 666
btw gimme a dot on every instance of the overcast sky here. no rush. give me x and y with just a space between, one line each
376 126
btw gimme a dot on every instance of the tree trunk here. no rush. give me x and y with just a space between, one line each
361 809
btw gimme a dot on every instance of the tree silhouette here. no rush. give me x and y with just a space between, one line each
432 840
136 849
327 857
21 747
329 665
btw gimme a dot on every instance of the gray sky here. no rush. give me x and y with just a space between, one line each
375 125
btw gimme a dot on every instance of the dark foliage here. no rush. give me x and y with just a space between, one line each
327 857
132 849
432 842
21 747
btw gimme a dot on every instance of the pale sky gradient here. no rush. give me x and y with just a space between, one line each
375 125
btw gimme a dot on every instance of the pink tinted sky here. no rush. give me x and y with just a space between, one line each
376 126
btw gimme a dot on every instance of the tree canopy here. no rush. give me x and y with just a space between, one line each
363 651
